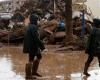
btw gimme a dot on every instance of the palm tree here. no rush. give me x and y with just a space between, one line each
66 11
68 20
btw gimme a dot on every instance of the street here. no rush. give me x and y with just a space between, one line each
55 65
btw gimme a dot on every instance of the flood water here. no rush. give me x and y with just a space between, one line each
53 66
6 70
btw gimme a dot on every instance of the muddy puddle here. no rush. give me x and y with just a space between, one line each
53 66
6 70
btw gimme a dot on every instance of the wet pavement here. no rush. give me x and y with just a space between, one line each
54 65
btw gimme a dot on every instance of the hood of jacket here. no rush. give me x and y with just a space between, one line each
33 19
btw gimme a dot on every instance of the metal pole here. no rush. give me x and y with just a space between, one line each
83 22
8 43
54 6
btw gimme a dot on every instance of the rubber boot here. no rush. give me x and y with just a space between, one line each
28 70
35 68
86 69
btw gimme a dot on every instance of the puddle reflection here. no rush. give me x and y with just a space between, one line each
95 75
76 76
6 70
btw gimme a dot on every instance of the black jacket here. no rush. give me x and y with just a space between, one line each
32 43
92 44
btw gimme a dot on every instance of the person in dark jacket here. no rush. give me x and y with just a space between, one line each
93 47
33 46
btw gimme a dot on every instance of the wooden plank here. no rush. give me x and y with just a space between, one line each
78 7
78 1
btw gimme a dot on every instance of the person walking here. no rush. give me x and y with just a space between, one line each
33 46
93 46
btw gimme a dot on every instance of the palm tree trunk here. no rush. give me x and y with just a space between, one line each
68 22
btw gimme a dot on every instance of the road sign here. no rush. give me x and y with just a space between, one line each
78 7
78 1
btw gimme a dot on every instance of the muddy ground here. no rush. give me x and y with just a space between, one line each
55 65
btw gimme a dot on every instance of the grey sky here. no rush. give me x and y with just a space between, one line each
94 6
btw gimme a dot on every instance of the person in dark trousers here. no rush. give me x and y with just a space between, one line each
93 47
33 46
